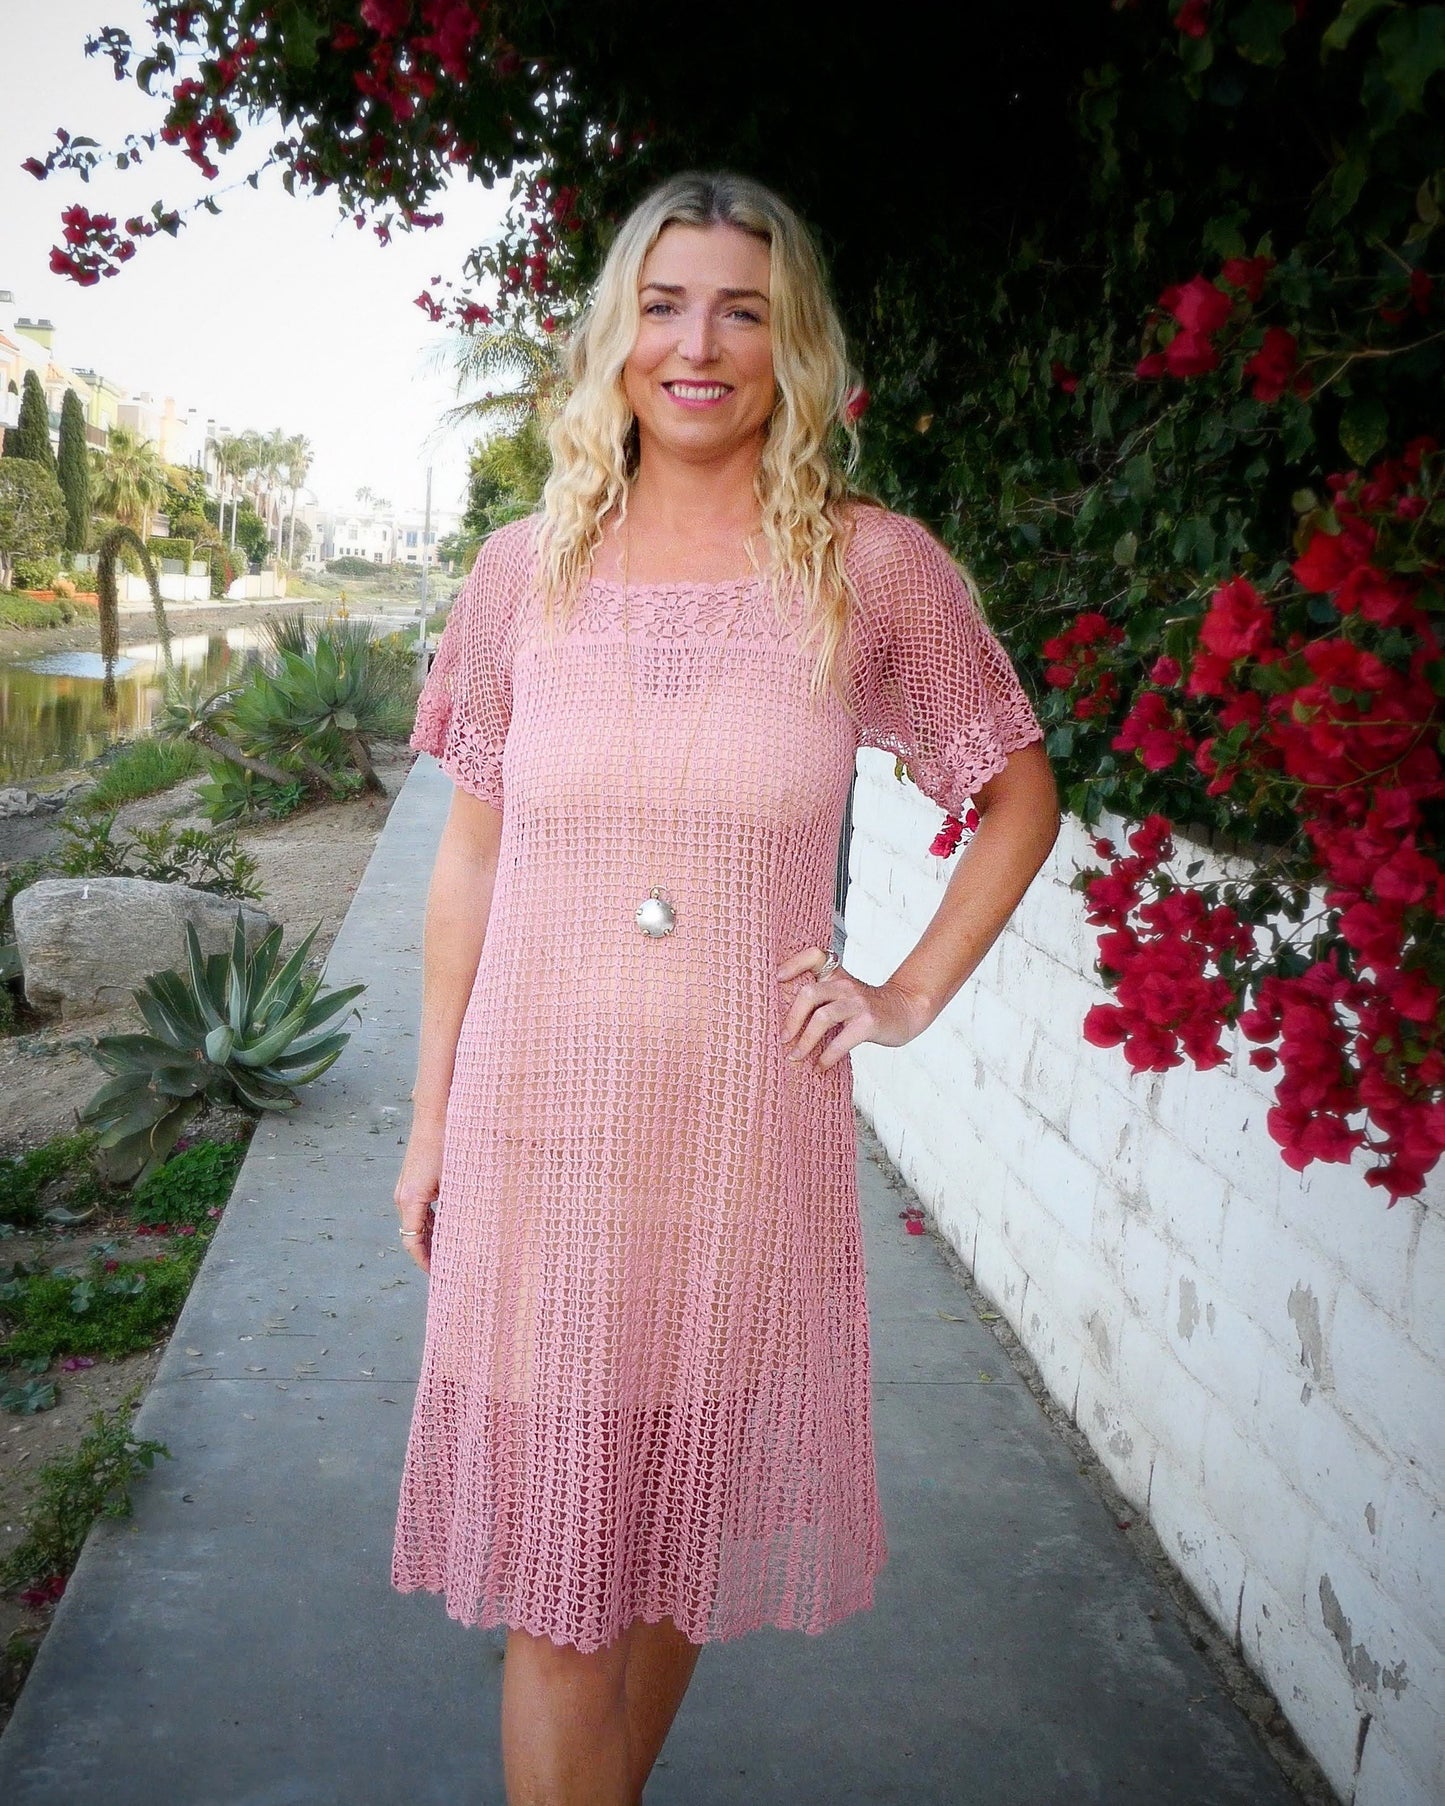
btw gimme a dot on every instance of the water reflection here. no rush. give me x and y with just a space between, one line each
52 716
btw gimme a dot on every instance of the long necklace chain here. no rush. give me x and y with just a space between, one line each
656 915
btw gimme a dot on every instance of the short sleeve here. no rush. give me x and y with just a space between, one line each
465 706
939 690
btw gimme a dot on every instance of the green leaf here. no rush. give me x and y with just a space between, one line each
1412 49
1363 429
1126 548
219 1044
1259 30
301 32
1351 16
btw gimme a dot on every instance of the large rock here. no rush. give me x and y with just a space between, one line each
87 943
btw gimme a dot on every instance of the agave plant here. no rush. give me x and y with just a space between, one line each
237 1029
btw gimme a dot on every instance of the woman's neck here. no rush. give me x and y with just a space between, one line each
685 522
672 500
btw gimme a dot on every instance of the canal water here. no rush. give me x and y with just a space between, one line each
52 709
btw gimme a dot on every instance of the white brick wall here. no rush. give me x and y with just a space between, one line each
1258 1356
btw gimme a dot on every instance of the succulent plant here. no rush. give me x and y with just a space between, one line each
237 1029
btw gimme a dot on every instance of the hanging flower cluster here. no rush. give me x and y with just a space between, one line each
1078 661
1324 700
1202 310
411 86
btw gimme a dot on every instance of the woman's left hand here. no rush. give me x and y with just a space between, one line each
859 1012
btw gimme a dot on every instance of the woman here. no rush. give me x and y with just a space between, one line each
642 1421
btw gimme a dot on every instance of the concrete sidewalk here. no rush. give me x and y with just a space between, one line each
237 1642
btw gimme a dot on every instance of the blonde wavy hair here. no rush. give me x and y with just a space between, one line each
804 475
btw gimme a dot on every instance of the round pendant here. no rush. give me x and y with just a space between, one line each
655 913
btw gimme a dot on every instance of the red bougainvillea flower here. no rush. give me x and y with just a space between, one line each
44 1592
953 832
1239 623
1275 366
1066 378
1388 601
855 405
1154 731
1330 557
388 18
1190 354
1197 305
1247 273
1192 18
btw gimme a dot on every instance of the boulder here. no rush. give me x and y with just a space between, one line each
87 943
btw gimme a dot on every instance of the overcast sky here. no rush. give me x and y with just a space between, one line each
276 314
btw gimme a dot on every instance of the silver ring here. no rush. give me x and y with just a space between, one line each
408 1231
829 966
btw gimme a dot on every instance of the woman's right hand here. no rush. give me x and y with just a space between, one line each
417 1188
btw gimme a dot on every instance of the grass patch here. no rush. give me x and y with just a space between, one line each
26 613
74 1490
61 1173
103 1306
142 768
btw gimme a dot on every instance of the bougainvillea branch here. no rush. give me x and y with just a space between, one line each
1324 700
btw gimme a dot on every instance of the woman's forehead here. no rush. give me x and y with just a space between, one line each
716 256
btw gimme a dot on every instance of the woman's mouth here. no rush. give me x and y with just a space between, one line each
698 395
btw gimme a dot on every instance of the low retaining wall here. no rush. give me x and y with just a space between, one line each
259 588
1256 1355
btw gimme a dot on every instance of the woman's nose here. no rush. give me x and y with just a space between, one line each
697 342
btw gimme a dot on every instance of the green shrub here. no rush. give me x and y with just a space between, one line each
191 1186
239 1030
231 793
142 768
72 1491
182 549
35 573
191 856
225 568
351 567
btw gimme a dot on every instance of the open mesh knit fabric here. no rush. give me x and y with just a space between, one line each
644 1388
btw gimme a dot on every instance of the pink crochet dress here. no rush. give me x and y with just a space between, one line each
644 1387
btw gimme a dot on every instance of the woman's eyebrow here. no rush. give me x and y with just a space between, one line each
728 294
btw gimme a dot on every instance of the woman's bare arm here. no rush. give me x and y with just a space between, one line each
458 904
1019 823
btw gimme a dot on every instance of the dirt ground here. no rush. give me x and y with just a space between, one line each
310 866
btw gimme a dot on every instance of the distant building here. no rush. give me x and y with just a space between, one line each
25 344
391 538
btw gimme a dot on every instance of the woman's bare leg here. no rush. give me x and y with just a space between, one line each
660 1663
565 1738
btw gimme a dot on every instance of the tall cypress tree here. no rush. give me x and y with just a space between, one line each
31 438
73 467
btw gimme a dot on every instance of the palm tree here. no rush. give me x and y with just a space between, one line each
530 368
298 467
251 460
274 448
230 455
131 481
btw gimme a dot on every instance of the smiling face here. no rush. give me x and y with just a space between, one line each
699 378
